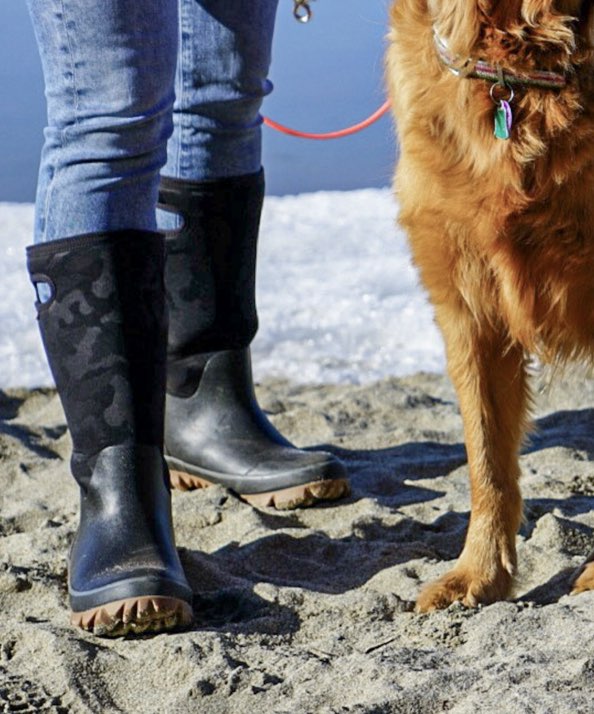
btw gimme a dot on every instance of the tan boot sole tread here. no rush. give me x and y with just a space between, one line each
285 499
134 616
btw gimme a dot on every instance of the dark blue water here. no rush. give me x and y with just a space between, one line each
327 74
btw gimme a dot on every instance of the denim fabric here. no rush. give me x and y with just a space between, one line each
136 86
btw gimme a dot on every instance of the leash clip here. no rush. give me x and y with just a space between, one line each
302 12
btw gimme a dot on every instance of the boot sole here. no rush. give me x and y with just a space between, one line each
284 499
134 616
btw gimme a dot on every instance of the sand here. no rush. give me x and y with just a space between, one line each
310 612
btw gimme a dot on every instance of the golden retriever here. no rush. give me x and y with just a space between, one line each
501 229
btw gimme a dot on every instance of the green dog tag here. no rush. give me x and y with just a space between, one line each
503 120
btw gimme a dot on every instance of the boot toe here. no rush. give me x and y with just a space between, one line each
282 477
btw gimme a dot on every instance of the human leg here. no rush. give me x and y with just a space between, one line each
221 79
213 187
102 309
108 69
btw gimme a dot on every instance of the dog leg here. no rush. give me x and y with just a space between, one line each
490 379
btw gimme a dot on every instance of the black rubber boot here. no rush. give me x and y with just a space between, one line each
215 432
104 332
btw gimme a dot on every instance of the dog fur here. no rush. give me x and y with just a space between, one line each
502 232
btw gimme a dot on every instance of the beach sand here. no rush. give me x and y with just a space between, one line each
310 611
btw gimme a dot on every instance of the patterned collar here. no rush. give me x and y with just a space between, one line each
479 69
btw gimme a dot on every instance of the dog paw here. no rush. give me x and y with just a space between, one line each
461 585
584 580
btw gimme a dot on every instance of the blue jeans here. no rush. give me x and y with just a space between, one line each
134 87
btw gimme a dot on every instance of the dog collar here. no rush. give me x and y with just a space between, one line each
479 69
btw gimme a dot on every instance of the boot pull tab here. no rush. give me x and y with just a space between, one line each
45 291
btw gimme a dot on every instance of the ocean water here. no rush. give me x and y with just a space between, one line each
327 74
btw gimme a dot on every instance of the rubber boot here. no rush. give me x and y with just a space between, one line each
104 332
215 432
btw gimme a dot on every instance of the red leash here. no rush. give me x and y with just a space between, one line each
331 134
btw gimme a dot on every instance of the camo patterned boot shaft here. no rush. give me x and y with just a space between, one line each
104 328
104 332
215 432
210 273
